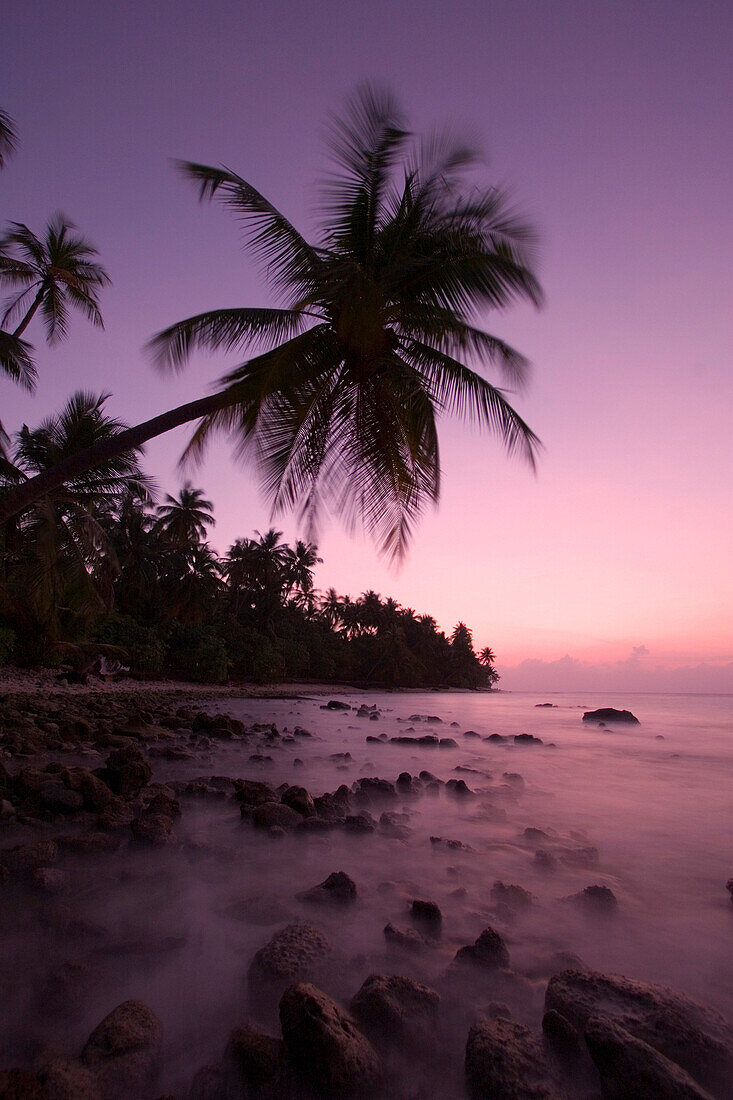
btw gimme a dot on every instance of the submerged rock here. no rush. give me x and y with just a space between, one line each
293 954
427 914
610 714
692 1035
596 898
268 814
338 887
630 1068
516 897
124 1051
393 1007
325 1048
126 772
489 950
407 939
506 1061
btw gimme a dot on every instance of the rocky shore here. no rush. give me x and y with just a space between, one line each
85 778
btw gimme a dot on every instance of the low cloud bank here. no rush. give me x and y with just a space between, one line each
635 673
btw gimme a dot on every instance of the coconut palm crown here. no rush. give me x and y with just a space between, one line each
339 398
52 275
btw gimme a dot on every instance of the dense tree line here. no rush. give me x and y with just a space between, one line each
98 563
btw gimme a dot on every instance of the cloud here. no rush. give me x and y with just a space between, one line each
633 673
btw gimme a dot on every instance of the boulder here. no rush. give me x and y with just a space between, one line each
275 813
338 887
152 829
516 897
23 859
293 954
325 1048
407 939
489 951
20 1084
393 1007
695 1037
630 1068
610 714
507 1061
68 1079
599 899
124 1051
299 800
126 771
257 1057
427 914
335 704
251 793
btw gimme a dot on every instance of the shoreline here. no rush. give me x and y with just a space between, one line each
16 681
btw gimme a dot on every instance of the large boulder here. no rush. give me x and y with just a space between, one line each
275 813
126 771
68 1079
507 1061
298 799
252 793
295 953
257 1057
610 714
325 1048
692 1035
391 1006
124 1051
630 1068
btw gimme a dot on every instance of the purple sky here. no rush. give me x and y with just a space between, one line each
611 123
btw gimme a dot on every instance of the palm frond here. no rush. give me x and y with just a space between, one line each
222 328
16 360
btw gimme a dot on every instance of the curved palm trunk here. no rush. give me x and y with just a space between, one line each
31 312
20 497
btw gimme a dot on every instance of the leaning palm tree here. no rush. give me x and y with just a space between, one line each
183 519
8 138
338 398
52 274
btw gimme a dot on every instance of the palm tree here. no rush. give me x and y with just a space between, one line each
51 275
300 561
331 608
487 656
183 519
338 398
8 138
64 562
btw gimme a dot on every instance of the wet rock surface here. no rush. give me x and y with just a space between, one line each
507 1061
327 1051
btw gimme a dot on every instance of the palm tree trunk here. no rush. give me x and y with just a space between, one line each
20 497
31 312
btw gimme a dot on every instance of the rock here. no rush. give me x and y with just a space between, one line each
427 914
448 743
516 897
124 1051
561 1037
251 793
275 813
630 1068
393 1007
94 791
506 1061
379 788
152 829
126 772
334 704
257 1057
458 787
19 1084
407 940
496 738
544 860
610 714
579 857
327 1051
489 950
541 705
359 823
23 859
526 739
692 1035
89 843
68 1079
338 887
293 954
472 734
394 824
299 800
599 899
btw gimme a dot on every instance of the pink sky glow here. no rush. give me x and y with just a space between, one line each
612 125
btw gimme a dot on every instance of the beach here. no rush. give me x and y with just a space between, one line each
199 853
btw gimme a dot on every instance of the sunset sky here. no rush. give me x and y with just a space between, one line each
610 122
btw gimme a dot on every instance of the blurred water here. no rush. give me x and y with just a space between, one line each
660 813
